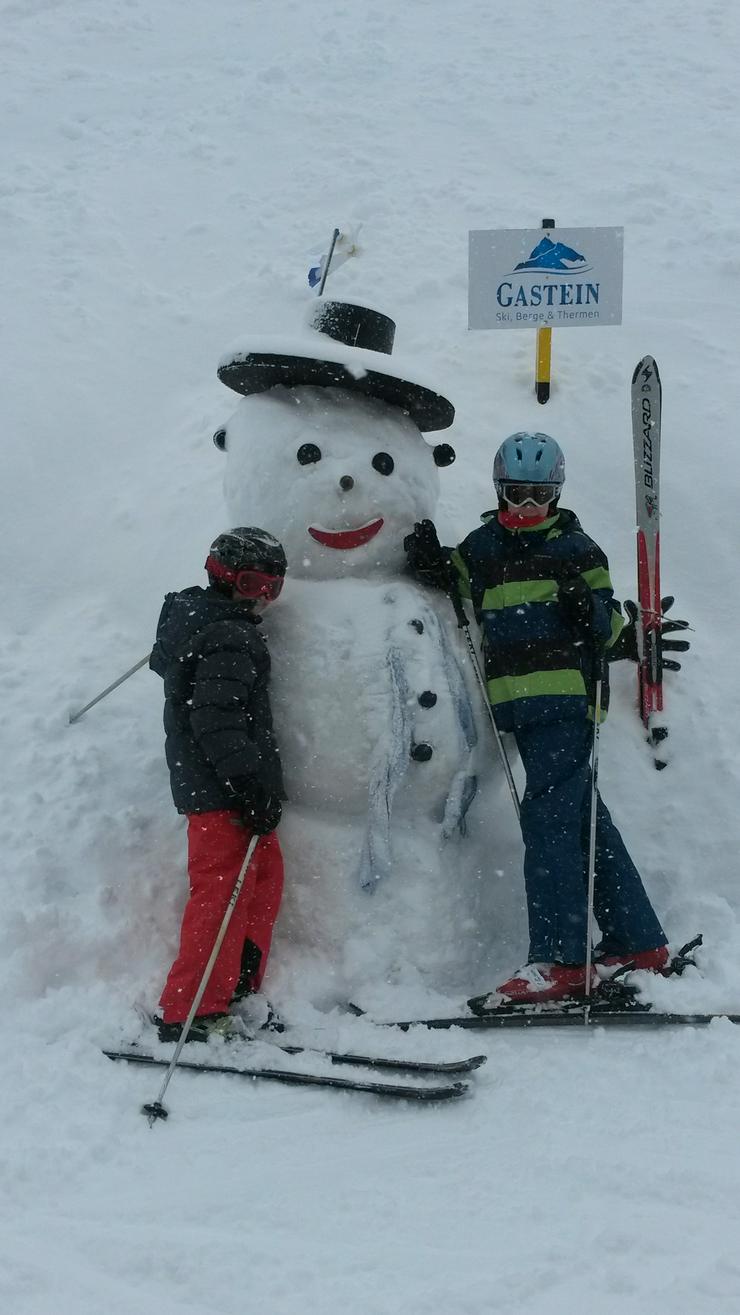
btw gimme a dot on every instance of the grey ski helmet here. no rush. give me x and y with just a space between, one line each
526 458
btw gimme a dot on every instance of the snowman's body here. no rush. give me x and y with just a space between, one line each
376 720
336 692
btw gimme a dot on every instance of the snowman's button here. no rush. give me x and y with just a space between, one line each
427 698
421 753
418 625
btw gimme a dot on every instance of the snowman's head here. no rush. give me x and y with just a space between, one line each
337 477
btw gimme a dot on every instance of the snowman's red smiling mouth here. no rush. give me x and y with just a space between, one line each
343 539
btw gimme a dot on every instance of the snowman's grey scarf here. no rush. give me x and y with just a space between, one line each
393 756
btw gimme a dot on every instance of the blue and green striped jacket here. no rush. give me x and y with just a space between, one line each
535 671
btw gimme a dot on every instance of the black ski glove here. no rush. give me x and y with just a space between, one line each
260 810
626 644
577 604
425 555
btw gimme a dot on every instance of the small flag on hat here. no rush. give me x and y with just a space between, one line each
343 245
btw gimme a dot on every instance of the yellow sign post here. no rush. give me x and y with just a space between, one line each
544 351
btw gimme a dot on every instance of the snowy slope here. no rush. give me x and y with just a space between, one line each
167 170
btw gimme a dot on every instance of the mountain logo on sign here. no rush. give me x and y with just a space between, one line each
554 258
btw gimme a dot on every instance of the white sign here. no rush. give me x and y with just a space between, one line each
564 278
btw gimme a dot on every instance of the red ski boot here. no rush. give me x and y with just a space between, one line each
538 983
651 961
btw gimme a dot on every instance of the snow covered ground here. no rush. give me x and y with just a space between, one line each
167 170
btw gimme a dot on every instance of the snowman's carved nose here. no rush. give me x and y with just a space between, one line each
346 483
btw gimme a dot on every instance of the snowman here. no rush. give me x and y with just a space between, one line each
376 715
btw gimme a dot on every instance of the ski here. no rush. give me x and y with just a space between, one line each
646 418
386 1063
578 1016
398 1090
380 1063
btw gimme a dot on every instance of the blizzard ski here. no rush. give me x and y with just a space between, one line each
646 418
418 1091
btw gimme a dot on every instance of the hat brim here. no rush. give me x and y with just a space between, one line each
256 372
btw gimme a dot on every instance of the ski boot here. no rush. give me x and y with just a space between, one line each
256 1014
656 960
203 1027
536 984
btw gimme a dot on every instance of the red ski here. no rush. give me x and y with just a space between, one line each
646 415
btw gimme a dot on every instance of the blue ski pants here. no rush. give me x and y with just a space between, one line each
555 829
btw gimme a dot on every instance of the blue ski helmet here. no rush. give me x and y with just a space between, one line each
529 459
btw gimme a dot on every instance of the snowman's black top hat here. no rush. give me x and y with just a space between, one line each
362 333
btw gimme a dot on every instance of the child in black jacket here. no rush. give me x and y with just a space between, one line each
225 773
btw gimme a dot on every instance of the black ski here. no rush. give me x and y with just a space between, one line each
385 1063
379 1063
401 1091
578 1016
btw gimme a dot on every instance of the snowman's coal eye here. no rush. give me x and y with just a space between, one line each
383 463
308 453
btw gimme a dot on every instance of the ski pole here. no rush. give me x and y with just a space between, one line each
428 532
75 716
592 842
156 1110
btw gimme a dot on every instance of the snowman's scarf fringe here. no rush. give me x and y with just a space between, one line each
376 859
464 783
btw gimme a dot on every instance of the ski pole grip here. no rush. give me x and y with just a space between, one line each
427 533
453 594
596 661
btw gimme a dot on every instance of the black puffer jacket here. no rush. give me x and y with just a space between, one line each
217 717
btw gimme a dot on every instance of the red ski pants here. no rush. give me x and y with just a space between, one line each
217 844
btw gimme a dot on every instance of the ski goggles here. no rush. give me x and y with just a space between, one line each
518 494
247 582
